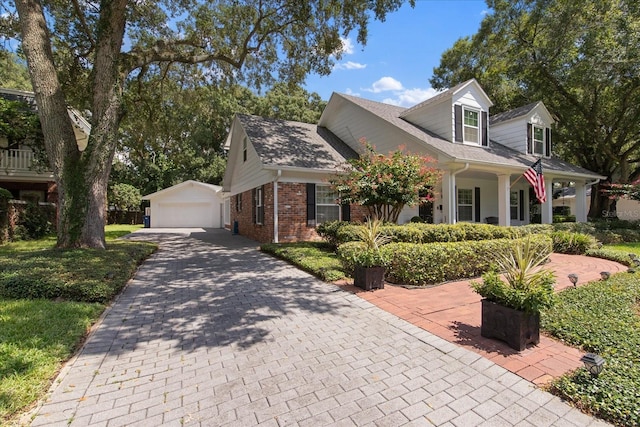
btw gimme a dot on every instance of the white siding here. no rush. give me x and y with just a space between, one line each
512 134
488 195
187 206
436 118
351 123
245 174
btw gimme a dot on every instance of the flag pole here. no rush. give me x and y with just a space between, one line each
514 182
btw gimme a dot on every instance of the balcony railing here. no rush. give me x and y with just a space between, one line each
20 162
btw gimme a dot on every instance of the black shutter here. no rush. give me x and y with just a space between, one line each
346 212
547 142
477 204
529 139
521 204
311 205
485 130
458 122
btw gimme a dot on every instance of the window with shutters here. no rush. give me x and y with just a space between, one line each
465 204
327 207
471 125
259 206
538 140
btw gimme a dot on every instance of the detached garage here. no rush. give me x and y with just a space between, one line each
186 205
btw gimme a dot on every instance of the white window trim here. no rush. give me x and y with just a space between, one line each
533 140
517 204
259 204
473 205
478 128
318 186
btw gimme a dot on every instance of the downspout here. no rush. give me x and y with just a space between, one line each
452 193
275 206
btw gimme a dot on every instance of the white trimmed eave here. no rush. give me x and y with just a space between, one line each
492 167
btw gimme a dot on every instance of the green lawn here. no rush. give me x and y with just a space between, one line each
38 334
316 258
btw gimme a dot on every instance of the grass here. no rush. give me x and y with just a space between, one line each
38 334
316 258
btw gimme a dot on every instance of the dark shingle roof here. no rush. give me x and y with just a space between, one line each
282 143
512 114
495 154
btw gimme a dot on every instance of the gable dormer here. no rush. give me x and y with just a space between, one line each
458 114
526 129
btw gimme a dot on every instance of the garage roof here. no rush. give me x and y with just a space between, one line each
190 183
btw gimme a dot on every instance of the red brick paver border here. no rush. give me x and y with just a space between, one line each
452 312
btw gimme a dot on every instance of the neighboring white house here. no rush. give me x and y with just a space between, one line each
188 204
277 170
625 209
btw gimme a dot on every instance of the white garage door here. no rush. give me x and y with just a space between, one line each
185 214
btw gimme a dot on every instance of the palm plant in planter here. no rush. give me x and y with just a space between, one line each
511 307
365 257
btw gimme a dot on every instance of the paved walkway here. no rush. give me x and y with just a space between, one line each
452 311
211 332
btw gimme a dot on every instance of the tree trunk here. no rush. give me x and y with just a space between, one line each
81 177
600 205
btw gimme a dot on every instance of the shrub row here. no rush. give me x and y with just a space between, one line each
424 264
430 233
86 275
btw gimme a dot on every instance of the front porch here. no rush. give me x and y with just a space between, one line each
503 198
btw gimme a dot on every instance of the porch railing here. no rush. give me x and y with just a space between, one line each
16 159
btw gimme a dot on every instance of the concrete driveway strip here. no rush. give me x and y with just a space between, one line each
211 332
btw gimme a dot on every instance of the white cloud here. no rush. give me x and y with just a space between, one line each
385 84
350 65
410 97
351 92
347 46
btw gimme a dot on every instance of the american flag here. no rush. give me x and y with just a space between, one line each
536 179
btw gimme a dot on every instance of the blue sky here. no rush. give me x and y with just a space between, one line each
398 60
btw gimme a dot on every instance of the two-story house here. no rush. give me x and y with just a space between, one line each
277 171
18 173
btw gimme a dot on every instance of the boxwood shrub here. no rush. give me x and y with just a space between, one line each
432 233
424 264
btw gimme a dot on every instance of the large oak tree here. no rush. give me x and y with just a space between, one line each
581 58
87 51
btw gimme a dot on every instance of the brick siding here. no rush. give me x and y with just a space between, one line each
292 214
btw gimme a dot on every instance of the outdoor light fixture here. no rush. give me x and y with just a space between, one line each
593 363
605 275
573 278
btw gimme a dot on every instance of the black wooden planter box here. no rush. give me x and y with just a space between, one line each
516 328
369 278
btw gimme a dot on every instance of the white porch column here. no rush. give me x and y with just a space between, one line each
448 204
504 200
581 202
546 207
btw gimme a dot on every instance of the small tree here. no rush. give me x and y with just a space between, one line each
124 197
385 184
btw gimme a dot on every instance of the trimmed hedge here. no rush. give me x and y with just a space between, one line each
433 233
424 264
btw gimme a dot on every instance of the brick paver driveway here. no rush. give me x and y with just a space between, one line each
212 332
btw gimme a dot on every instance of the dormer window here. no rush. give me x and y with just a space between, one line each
538 140
471 125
